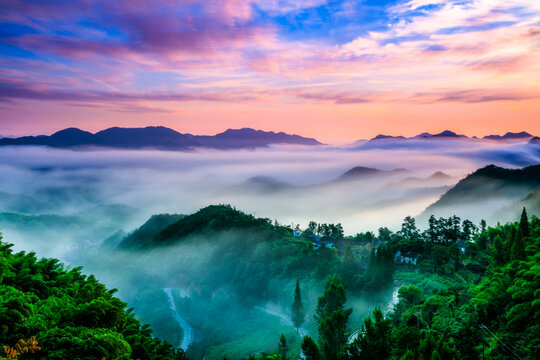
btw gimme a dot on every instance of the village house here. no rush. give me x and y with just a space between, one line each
408 257
318 242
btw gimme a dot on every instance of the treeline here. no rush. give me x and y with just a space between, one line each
49 312
436 250
326 231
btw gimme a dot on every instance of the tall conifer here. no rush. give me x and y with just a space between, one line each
298 312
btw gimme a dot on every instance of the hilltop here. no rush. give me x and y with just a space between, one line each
490 183
169 229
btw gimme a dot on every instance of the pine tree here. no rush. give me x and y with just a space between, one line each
298 312
524 224
282 347
332 318
332 334
483 225
373 342
310 349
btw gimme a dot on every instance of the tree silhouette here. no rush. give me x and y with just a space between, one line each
332 318
298 312
310 349
282 347
524 224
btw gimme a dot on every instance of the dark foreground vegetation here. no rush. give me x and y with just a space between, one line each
466 291
49 312
495 316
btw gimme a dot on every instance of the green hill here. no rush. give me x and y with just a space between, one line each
169 229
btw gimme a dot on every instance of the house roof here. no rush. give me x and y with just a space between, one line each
411 254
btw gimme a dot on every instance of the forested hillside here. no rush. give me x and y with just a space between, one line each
463 291
493 315
50 312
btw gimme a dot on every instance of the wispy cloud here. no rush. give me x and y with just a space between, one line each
472 96
245 51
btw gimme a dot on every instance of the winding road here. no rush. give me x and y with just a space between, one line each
188 330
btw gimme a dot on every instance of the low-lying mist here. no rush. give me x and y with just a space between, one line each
120 189
231 287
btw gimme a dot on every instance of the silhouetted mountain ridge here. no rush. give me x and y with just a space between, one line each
251 138
447 134
509 135
160 137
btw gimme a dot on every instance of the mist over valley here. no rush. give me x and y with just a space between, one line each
207 244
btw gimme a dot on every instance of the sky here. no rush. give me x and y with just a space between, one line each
335 70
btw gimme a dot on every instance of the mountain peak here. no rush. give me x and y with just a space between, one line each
443 134
513 135
70 137
70 131
251 138
384 137
439 175
448 133
535 140
244 130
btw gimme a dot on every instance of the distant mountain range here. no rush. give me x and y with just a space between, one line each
160 137
447 134
388 141
450 140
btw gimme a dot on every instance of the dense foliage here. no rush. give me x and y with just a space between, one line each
495 316
471 290
66 315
